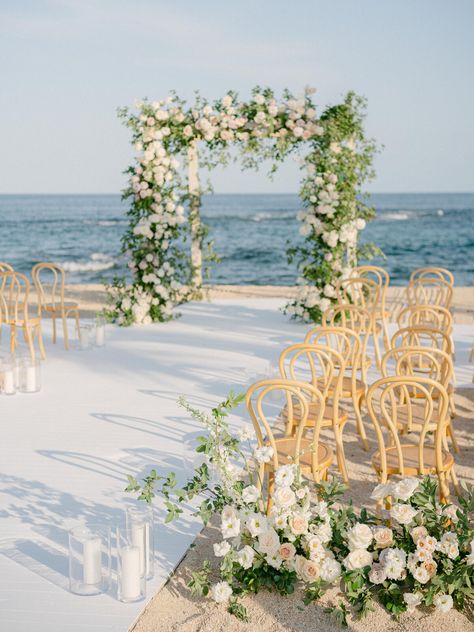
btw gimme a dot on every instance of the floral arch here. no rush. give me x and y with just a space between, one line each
165 237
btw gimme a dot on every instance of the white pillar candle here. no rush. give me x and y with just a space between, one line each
100 336
9 382
84 337
92 561
130 572
18 374
138 540
30 379
148 561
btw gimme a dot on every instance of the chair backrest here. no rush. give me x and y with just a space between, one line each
379 275
418 361
422 336
434 316
321 366
4 267
344 340
430 291
14 295
434 273
297 394
361 291
387 396
53 292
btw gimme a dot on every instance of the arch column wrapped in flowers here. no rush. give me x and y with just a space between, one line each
335 160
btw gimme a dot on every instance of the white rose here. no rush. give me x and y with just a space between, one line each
443 603
268 542
404 489
358 558
221 592
359 537
403 514
418 532
412 600
259 99
245 557
250 494
227 101
284 497
221 548
330 570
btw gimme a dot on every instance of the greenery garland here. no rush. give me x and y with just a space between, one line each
336 162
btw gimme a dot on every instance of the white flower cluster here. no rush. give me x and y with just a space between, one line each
295 534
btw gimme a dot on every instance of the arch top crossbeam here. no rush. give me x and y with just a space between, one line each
165 193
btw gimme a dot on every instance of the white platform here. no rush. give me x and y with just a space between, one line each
65 452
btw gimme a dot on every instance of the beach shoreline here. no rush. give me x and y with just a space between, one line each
92 297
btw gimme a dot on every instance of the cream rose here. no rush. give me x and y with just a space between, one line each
309 571
443 603
377 574
268 542
287 551
403 514
418 532
284 497
404 489
383 537
298 524
330 570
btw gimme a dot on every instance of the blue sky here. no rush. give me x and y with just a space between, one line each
65 66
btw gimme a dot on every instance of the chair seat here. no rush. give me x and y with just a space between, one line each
347 386
410 460
56 307
34 321
418 417
286 447
328 415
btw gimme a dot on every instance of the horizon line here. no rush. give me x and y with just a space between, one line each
248 193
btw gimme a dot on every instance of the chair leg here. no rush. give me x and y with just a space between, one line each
340 456
66 341
378 358
450 432
386 337
78 324
443 488
452 406
454 478
53 320
29 342
40 342
357 403
12 339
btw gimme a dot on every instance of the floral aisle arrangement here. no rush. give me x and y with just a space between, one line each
335 159
416 553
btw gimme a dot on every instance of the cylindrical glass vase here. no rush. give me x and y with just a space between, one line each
29 374
85 337
99 331
7 376
140 525
89 559
131 578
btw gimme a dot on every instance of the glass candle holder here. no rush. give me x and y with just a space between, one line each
139 520
29 374
21 356
85 337
7 376
89 559
131 577
99 330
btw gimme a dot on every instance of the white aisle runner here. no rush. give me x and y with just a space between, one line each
106 413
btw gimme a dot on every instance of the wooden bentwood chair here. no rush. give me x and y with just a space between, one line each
15 311
324 368
432 273
51 297
422 362
313 457
347 342
386 400
381 313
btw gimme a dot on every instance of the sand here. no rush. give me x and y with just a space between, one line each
92 298
173 609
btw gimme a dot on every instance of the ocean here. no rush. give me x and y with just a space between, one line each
250 232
